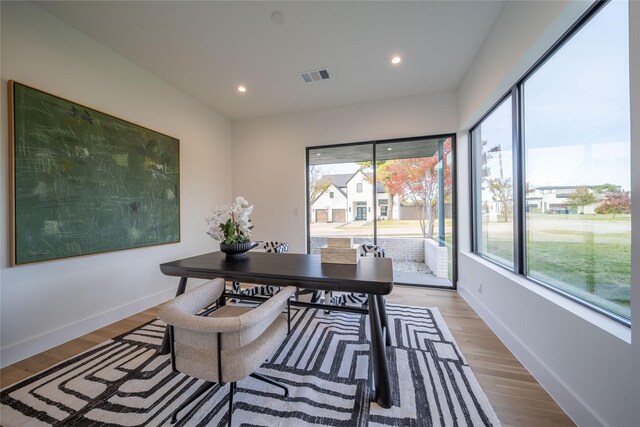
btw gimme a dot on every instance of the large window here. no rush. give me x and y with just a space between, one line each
571 175
494 184
398 194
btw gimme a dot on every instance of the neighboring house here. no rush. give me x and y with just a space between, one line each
349 198
330 206
555 199
549 199
359 191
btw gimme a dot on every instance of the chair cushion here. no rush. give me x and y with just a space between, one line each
196 352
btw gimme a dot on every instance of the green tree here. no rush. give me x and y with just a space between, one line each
606 188
581 197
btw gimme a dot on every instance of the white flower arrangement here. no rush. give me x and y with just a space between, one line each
231 224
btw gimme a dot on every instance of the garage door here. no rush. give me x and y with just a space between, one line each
322 215
339 215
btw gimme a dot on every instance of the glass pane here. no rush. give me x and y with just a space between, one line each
341 172
414 209
492 140
576 110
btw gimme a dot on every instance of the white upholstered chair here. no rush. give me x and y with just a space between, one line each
226 344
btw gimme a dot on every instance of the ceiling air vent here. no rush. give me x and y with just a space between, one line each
315 75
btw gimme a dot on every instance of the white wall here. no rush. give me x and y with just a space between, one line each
523 31
46 304
584 360
269 153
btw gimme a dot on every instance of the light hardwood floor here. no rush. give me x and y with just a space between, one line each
516 396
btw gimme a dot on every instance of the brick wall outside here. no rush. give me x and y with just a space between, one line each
401 249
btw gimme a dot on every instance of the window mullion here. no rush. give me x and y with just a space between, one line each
519 185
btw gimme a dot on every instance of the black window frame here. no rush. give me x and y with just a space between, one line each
454 196
519 199
476 215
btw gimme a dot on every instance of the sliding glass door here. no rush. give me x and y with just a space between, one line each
340 182
404 204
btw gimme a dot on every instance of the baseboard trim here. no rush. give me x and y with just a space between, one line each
564 396
31 346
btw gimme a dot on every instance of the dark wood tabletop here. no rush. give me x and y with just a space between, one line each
370 275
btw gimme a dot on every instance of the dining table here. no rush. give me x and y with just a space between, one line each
370 275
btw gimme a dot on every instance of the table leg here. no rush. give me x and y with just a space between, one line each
165 346
381 379
384 319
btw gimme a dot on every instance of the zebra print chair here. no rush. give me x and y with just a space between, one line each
355 298
262 291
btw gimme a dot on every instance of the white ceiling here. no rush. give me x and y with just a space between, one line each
207 49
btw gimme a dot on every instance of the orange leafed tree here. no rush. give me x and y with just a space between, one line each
415 180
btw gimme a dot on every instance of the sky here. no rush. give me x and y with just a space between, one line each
576 107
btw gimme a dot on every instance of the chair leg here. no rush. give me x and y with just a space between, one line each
232 389
199 392
272 382
316 296
288 316
328 295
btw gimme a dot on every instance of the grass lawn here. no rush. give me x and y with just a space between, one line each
582 217
599 272
586 255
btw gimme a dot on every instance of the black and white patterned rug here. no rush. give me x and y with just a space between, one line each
324 362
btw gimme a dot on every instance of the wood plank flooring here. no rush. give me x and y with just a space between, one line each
516 396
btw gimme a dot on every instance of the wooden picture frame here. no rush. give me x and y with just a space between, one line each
85 182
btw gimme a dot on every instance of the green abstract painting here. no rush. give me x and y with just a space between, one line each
85 182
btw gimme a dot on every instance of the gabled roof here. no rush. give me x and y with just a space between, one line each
343 192
339 180
379 185
332 185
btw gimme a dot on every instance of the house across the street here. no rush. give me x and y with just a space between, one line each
349 197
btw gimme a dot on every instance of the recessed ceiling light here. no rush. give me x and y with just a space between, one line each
396 59
277 17
389 149
317 154
242 89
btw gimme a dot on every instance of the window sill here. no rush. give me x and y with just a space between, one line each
608 325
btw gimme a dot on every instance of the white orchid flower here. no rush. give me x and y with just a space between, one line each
239 213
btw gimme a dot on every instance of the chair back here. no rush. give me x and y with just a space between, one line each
372 250
230 342
276 247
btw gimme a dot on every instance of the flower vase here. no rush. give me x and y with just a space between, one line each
237 250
